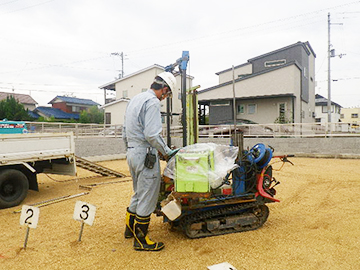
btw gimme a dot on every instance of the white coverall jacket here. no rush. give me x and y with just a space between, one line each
142 129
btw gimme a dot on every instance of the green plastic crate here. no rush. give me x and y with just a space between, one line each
192 171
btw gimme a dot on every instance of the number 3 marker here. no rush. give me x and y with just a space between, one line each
84 212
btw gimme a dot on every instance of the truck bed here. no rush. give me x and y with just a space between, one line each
19 148
23 156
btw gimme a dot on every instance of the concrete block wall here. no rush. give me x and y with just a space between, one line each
334 147
99 146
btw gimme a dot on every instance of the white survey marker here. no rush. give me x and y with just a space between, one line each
84 212
29 216
222 266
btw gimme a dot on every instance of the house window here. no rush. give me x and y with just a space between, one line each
124 93
75 109
251 108
108 118
282 110
342 116
241 108
275 63
325 110
305 73
354 115
220 103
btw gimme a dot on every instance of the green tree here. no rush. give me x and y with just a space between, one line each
93 115
11 109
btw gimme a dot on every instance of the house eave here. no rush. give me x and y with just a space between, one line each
291 95
111 85
307 48
114 102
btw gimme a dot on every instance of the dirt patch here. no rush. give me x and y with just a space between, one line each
315 226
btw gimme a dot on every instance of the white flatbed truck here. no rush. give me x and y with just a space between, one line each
23 156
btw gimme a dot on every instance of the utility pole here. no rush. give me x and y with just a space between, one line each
122 64
121 75
331 53
329 75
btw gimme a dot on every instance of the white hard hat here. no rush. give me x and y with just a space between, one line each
169 78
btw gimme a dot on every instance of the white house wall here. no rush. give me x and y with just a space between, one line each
228 75
29 107
117 112
348 115
134 84
267 110
138 83
176 99
281 81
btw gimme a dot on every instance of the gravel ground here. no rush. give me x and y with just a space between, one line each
315 226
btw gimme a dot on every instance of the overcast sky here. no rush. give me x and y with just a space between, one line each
64 47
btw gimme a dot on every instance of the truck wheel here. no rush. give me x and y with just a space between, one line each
14 186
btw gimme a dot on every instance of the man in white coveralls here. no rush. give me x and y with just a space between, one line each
143 140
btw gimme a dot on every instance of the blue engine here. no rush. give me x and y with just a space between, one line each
244 177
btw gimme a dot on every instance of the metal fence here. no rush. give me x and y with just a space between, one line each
282 130
209 131
79 130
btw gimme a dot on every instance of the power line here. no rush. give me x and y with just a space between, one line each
52 91
62 66
215 35
218 34
47 84
8 2
20 9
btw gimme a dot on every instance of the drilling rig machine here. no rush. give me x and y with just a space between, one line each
235 202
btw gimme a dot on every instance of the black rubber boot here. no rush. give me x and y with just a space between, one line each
141 241
129 220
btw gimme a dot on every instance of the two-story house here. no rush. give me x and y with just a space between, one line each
352 116
135 83
27 101
278 86
64 108
321 110
72 104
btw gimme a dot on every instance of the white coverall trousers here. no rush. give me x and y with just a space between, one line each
146 182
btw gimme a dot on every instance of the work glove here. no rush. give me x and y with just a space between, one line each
161 156
172 153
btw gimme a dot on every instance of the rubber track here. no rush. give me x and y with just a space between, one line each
228 211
